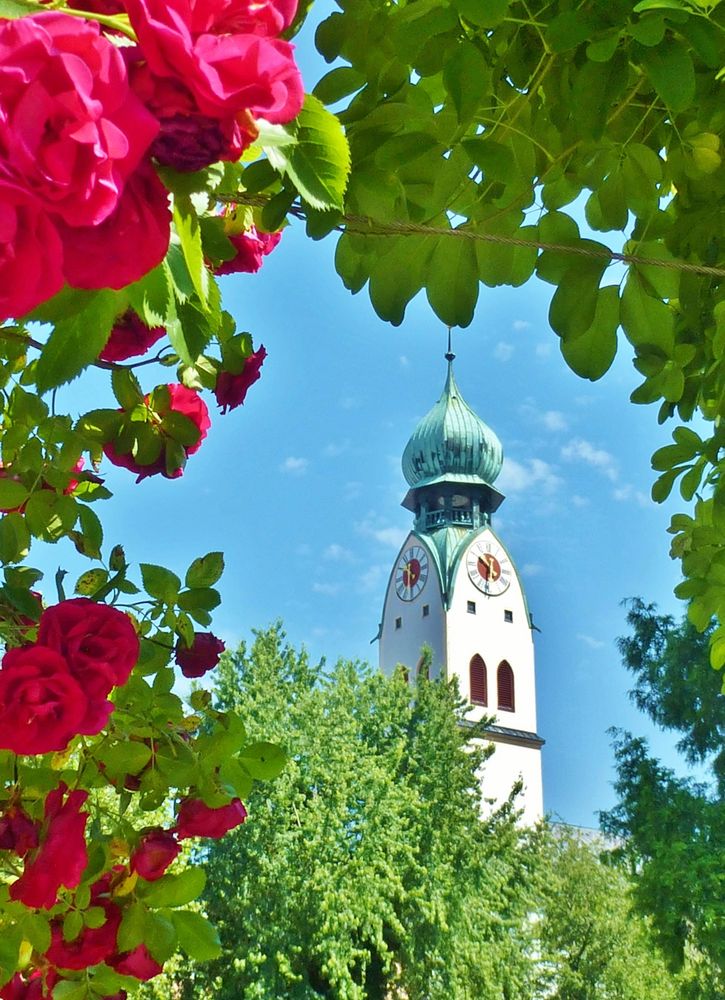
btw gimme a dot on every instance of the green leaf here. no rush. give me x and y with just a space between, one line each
10 941
484 13
186 223
50 515
567 30
398 274
646 320
133 927
126 388
264 761
68 989
338 83
200 598
128 757
160 936
90 581
14 538
175 890
12 494
11 9
319 163
160 582
467 78
452 283
591 353
205 570
92 529
197 936
77 341
573 305
670 69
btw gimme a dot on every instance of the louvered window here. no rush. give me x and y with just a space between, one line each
479 688
505 678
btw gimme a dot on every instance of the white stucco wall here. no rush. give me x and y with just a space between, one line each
403 645
507 763
494 639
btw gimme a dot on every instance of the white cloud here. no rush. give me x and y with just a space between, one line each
372 579
521 324
334 449
516 477
337 553
404 361
349 402
532 569
543 350
591 641
295 466
385 534
580 501
329 589
579 450
628 492
554 420
551 420
503 351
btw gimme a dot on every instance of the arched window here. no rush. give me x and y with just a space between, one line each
505 679
478 687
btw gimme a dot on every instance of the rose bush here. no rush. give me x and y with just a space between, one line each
112 229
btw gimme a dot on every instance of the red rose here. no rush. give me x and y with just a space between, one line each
180 400
128 244
242 17
251 247
188 140
42 706
201 656
62 856
71 130
98 642
93 944
196 819
38 986
137 963
155 852
130 337
18 832
30 252
231 390
226 72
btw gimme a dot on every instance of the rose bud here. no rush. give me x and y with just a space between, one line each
137 963
18 832
155 852
202 656
231 390
251 247
130 337
196 819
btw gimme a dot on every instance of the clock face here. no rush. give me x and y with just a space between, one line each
411 573
489 567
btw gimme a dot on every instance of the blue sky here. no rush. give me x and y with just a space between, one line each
302 486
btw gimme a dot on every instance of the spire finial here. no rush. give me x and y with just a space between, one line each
449 353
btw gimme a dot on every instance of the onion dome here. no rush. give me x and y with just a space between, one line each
452 444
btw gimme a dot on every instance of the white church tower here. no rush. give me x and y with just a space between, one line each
455 588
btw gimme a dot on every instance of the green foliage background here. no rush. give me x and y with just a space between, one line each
366 871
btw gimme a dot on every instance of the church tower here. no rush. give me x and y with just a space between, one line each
454 588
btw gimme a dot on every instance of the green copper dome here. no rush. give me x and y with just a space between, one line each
452 444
